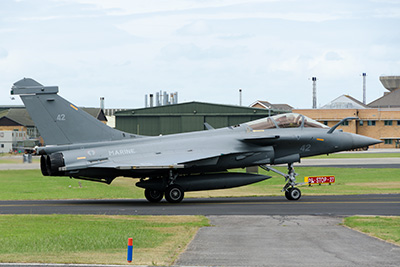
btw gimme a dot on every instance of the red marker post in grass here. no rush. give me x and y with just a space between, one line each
130 250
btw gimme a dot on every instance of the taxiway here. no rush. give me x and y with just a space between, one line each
345 205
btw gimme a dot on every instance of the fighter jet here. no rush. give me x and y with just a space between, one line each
80 146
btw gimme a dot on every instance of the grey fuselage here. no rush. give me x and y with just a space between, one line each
203 151
80 146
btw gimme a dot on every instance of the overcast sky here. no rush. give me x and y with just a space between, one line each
204 49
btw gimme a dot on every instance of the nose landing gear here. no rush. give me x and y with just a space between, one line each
291 192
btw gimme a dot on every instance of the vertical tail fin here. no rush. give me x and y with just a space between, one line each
58 121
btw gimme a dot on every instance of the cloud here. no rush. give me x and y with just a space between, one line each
235 36
198 27
3 53
271 48
332 56
191 51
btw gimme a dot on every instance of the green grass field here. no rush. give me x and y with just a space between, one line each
358 155
158 240
386 228
15 159
30 184
348 181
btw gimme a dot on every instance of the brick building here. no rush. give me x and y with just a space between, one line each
382 123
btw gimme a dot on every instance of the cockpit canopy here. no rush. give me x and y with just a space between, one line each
287 120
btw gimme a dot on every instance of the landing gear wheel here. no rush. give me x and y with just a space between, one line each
287 195
154 196
293 193
174 193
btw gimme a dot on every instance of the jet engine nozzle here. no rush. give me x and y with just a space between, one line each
50 164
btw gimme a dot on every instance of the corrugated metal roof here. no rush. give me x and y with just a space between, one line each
185 117
268 105
20 116
191 108
389 100
345 102
96 112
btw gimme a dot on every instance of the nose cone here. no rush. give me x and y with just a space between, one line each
360 141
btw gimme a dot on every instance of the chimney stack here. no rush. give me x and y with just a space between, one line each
151 100
314 85
364 88
240 96
102 103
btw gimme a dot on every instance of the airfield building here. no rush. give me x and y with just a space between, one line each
380 119
17 120
186 117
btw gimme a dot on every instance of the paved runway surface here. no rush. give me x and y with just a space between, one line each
259 231
285 241
307 205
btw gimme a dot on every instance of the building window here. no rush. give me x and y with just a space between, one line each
2 145
361 123
388 123
388 141
345 123
371 123
398 123
326 123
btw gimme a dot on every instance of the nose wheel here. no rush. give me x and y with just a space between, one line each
291 192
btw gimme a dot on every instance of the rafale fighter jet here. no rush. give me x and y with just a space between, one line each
82 147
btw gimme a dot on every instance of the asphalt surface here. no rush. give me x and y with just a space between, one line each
285 241
259 231
307 205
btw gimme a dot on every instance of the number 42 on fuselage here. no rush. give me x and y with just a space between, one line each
81 147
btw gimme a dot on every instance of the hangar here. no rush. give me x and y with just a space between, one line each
186 117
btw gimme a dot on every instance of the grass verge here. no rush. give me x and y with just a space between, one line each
30 184
15 159
385 228
357 155
91 239
348 182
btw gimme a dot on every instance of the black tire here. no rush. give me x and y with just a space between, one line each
153 196
287 194
174 193
293 193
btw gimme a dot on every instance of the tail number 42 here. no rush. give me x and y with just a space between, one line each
61 117
305 148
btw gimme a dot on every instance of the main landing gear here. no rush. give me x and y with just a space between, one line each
291 192
153 196
173 193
